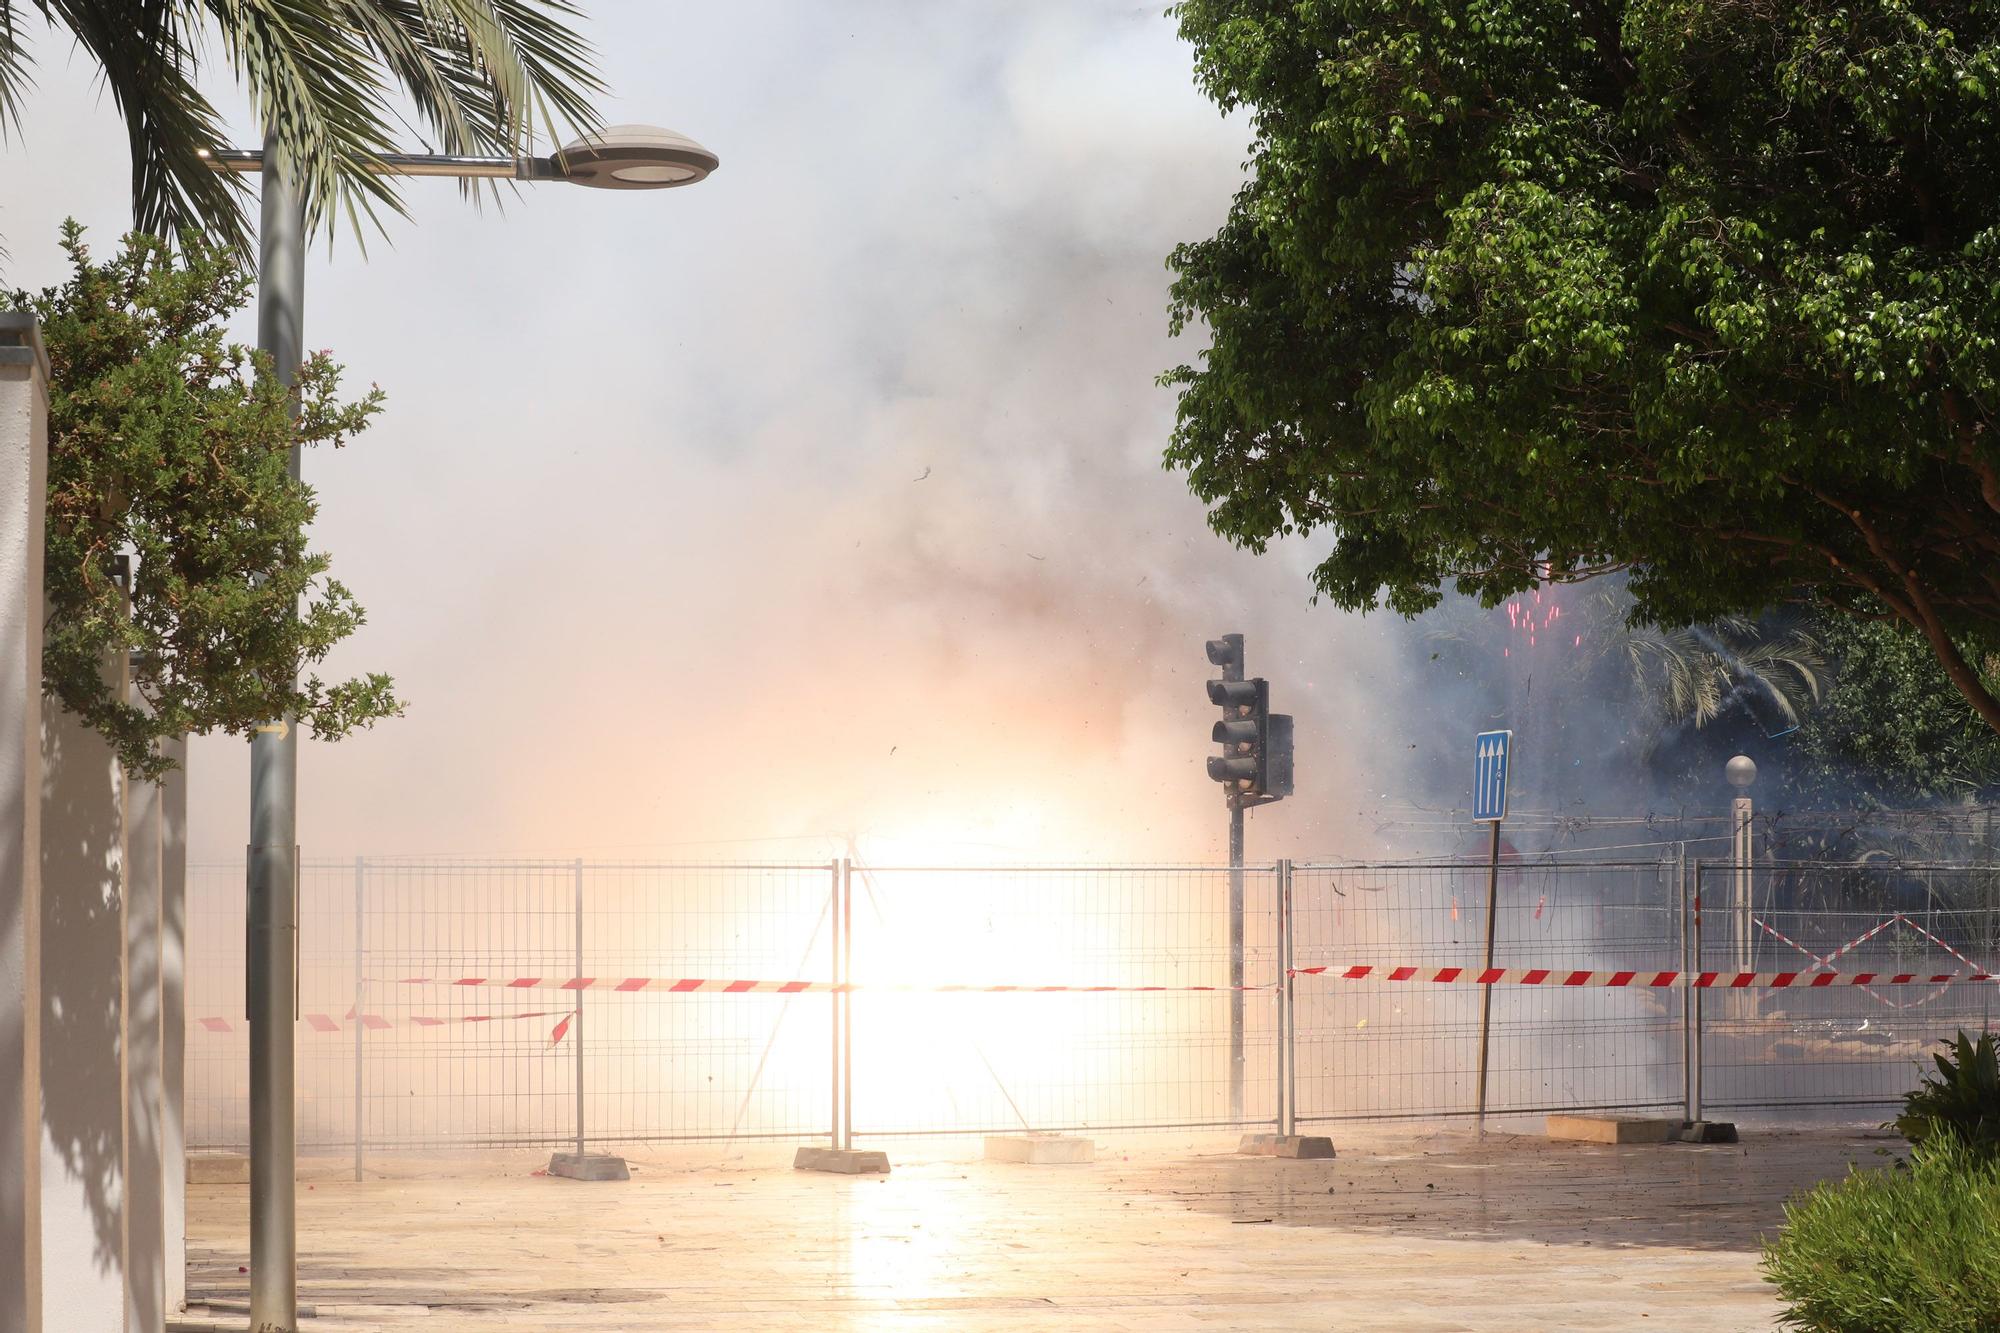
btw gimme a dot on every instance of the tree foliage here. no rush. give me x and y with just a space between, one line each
1891 723
1704 290
168 454
334 80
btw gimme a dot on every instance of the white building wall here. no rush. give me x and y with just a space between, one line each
23 491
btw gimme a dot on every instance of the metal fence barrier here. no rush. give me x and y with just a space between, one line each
1848 1045
1080 998
1374 1049
391 1054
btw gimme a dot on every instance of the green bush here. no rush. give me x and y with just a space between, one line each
1914 1248
1962 1102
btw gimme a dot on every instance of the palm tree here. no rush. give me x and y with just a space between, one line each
484 77
1696 673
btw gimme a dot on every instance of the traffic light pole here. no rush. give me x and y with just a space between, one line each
1255 768
1235 961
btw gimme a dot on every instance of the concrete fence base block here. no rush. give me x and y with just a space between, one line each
1707 1131
1613 1129
1304 1146
218 1168
841 1161
1040 1149
588 1166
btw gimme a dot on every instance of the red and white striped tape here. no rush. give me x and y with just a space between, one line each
1497 976
1548 976
327 1023
1935 940
1826 963
701 985
1897 918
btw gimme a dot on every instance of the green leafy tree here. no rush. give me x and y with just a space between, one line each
1892 721
167 456
1520 290
332 79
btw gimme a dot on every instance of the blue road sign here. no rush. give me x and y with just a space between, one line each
1489 776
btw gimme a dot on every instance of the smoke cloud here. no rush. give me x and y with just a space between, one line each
823 499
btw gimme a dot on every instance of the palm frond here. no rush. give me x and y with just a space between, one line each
1791 668
321 98
483 75
1696 673
486 77
14 78
145 55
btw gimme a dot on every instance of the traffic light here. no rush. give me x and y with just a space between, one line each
1246 710
1255 765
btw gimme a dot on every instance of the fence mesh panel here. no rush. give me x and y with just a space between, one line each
705 1066
395 1053
426 1062
1841 1045
1376 1048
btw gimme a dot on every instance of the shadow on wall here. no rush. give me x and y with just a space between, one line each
82 944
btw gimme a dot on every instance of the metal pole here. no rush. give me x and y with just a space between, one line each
833 1045
1687 992
1741 854
1694 945
847 1005
1291 1007
271 968
1286 1056
1486 992
576 1020
360 880
1235 962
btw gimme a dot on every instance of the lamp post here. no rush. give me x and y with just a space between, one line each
1740 773
622 157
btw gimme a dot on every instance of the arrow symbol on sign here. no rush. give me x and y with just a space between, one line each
278 729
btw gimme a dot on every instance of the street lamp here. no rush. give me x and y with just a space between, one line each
621 157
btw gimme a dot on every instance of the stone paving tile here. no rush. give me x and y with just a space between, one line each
1408 1234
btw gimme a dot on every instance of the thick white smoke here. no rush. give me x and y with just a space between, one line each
821 499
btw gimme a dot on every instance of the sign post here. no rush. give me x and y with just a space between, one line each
1491 751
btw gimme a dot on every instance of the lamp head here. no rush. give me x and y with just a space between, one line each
633 157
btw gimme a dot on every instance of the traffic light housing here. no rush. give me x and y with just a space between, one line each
1246 709
1227 653
1255 765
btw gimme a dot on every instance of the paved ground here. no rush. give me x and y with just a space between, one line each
1400 1233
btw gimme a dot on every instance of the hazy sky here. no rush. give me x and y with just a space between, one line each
642 535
